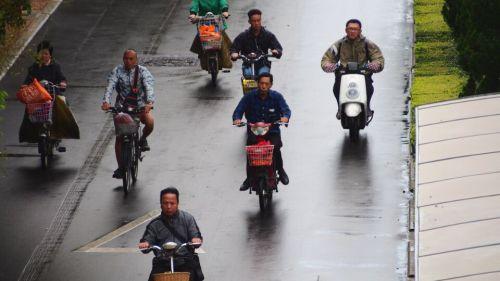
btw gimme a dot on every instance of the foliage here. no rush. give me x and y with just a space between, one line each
11 14
437 76
476 30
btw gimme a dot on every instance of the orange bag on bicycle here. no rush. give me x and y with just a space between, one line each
33 93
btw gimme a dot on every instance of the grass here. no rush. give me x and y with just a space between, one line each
437 76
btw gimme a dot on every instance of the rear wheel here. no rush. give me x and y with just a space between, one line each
127 166
213 69
265 196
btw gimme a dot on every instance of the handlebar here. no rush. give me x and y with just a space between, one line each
279 123
130 110
189 245
207 16
256 57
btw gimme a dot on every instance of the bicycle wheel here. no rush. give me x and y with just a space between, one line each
136 155
127 166
42 149
265 195
213 69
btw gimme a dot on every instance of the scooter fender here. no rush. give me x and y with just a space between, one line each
248 85
352 109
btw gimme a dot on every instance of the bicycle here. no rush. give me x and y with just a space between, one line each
127 126
42 113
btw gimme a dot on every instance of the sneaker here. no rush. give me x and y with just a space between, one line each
245 185
143 143
283 177
338 115
370 113
118 174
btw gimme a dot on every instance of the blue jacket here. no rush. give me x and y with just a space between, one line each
257 110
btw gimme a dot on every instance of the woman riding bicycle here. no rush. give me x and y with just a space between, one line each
63 123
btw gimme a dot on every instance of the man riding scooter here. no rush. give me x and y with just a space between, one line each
264 105
354 47
257 40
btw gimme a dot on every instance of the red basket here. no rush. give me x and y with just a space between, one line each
260 155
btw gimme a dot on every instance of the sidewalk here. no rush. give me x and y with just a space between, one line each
18 39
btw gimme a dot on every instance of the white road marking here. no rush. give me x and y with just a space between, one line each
94 246
90 247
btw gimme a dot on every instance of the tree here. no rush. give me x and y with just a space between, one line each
476 31
11 13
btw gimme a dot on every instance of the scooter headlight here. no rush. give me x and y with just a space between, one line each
259 131
352 94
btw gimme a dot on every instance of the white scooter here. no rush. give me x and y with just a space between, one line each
353 101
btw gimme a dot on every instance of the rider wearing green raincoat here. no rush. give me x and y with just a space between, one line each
217 7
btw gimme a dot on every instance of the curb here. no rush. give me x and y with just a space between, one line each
411 161
38 20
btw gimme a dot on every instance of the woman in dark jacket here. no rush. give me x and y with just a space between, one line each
45 68
64 124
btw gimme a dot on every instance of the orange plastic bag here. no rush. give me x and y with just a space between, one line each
33 93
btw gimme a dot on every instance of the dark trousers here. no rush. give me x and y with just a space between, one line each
368 82
275 139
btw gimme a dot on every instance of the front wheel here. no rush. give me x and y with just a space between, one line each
265 196
136 154
127 167
43 150
354 134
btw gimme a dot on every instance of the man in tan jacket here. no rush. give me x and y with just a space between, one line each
354 47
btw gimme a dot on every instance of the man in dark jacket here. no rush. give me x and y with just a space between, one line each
256 40
173 225
264 105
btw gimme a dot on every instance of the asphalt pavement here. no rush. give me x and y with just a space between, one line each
342 217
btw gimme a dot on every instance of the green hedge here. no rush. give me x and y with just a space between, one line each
476 30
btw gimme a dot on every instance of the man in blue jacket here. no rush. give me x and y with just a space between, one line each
264 105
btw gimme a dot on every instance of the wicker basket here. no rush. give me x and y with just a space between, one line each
169 276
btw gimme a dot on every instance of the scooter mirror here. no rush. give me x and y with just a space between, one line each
169 245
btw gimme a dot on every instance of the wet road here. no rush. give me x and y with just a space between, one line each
343 216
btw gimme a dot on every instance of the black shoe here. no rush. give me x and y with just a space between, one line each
143 144
370 113
245 185
283 177
338 115
118 173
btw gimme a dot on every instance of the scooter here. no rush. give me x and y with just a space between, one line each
210 29
353 101
168 251
249 83
263 177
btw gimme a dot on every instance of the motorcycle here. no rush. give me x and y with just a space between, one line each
168 251
210 29
249 83
353 101
263 178
41 113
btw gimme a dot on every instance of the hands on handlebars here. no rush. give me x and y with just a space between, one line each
283 121
194 18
